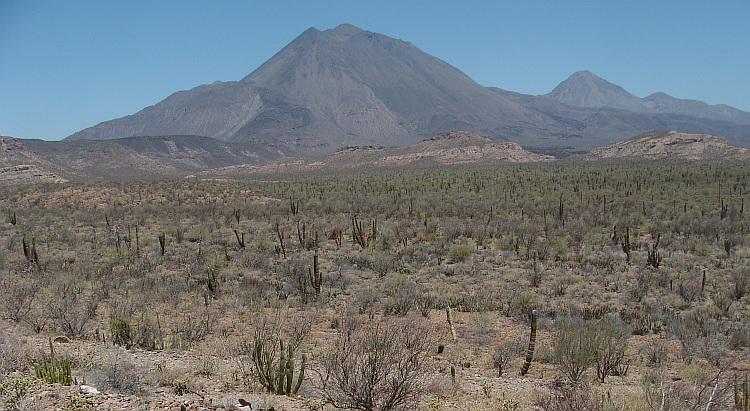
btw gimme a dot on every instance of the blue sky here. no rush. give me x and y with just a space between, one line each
68 65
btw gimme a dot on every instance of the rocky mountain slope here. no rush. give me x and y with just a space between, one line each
671 145
346 86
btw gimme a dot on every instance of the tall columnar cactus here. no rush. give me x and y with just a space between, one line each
137 243
626 245
449 317
162 242
278 379
316 279
654 258
742 395
532 344
293 205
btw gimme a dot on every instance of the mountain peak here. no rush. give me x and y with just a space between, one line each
586 89
344 30
586 75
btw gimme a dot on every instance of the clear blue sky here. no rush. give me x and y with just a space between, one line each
66 64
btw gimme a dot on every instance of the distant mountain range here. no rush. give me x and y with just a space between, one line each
585 89
346 86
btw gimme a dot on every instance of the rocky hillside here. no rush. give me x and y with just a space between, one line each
19 165
148 157
447 148
671 145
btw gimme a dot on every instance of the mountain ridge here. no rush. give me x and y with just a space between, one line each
586 89
347 86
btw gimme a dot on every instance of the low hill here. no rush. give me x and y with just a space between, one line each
671 145
149 157
447 148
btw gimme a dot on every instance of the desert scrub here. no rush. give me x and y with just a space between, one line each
390 355
14 386
77 402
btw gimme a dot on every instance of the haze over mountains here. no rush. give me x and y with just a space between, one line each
346 86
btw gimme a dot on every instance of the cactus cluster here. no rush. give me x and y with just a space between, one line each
29 251
359 234
54 370
277 376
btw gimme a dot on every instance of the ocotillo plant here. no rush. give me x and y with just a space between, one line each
281 238
240 238
532 344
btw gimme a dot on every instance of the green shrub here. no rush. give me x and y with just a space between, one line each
197 233
579 345
459 252
121 331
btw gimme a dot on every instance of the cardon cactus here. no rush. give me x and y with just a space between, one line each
532 344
